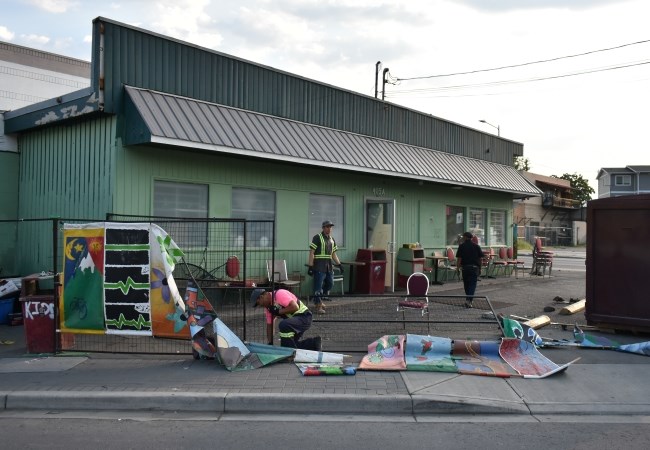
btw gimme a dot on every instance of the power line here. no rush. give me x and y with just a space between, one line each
524 64
506 82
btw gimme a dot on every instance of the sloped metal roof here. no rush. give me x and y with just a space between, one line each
159 118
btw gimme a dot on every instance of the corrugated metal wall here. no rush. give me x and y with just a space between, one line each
138 167
143 59
65 171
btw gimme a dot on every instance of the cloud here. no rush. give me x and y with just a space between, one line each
34 39
510 5
188 21
6 34
55 6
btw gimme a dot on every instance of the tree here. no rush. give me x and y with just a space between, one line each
522 163
581 189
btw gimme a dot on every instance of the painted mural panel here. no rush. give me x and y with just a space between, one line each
117 280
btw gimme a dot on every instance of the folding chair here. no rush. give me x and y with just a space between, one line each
417 284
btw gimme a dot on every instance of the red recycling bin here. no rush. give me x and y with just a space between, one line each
38 317
371 276
38 320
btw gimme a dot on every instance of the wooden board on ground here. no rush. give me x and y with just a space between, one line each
535 322
573 308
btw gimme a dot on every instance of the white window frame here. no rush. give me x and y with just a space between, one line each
478 229
498 231
623 180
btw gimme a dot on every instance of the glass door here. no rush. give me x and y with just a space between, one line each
380 233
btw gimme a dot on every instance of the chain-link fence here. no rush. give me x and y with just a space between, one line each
551 236
226 269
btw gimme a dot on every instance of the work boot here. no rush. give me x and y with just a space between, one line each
320 308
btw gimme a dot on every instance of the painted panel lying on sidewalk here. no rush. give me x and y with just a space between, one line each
505 358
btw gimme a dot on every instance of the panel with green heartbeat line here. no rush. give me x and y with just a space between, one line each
122 322
124 287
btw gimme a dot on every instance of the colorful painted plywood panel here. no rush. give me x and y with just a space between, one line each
429 353
81 303
126 279
386 353
117 279
480 358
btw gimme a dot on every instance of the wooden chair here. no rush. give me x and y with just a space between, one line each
417 284
276 272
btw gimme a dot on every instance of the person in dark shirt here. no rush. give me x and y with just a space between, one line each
468 259
322 255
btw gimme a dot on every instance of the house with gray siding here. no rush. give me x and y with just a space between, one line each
170 129
628 180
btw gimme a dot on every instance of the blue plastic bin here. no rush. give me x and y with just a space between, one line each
6 308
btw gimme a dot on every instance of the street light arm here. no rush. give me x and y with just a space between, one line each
493 126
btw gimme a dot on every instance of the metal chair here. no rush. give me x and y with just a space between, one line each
514 262
542 259
500 262
451 264
417 284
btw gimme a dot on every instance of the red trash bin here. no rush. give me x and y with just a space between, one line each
38 318
371 276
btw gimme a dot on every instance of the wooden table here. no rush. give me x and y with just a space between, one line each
436 262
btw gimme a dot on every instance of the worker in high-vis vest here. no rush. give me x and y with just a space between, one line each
322 253
295 318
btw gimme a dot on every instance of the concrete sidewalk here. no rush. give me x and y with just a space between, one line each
603 382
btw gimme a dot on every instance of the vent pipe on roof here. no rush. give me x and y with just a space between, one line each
377 66
383 84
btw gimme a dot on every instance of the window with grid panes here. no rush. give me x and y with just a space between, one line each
183 201
497 227
253 204
477 219
326 207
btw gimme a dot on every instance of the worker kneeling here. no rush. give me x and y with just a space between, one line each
296 318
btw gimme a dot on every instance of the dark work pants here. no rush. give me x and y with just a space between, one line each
291 331
470 278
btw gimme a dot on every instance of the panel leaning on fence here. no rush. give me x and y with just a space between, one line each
217 255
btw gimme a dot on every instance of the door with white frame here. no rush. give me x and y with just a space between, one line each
380 232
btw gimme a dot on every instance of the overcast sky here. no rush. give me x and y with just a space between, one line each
574 114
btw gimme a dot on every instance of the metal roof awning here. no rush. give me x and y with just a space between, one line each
165 119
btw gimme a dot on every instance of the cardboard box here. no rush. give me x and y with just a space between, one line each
9 286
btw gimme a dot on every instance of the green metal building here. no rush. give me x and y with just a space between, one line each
168 128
